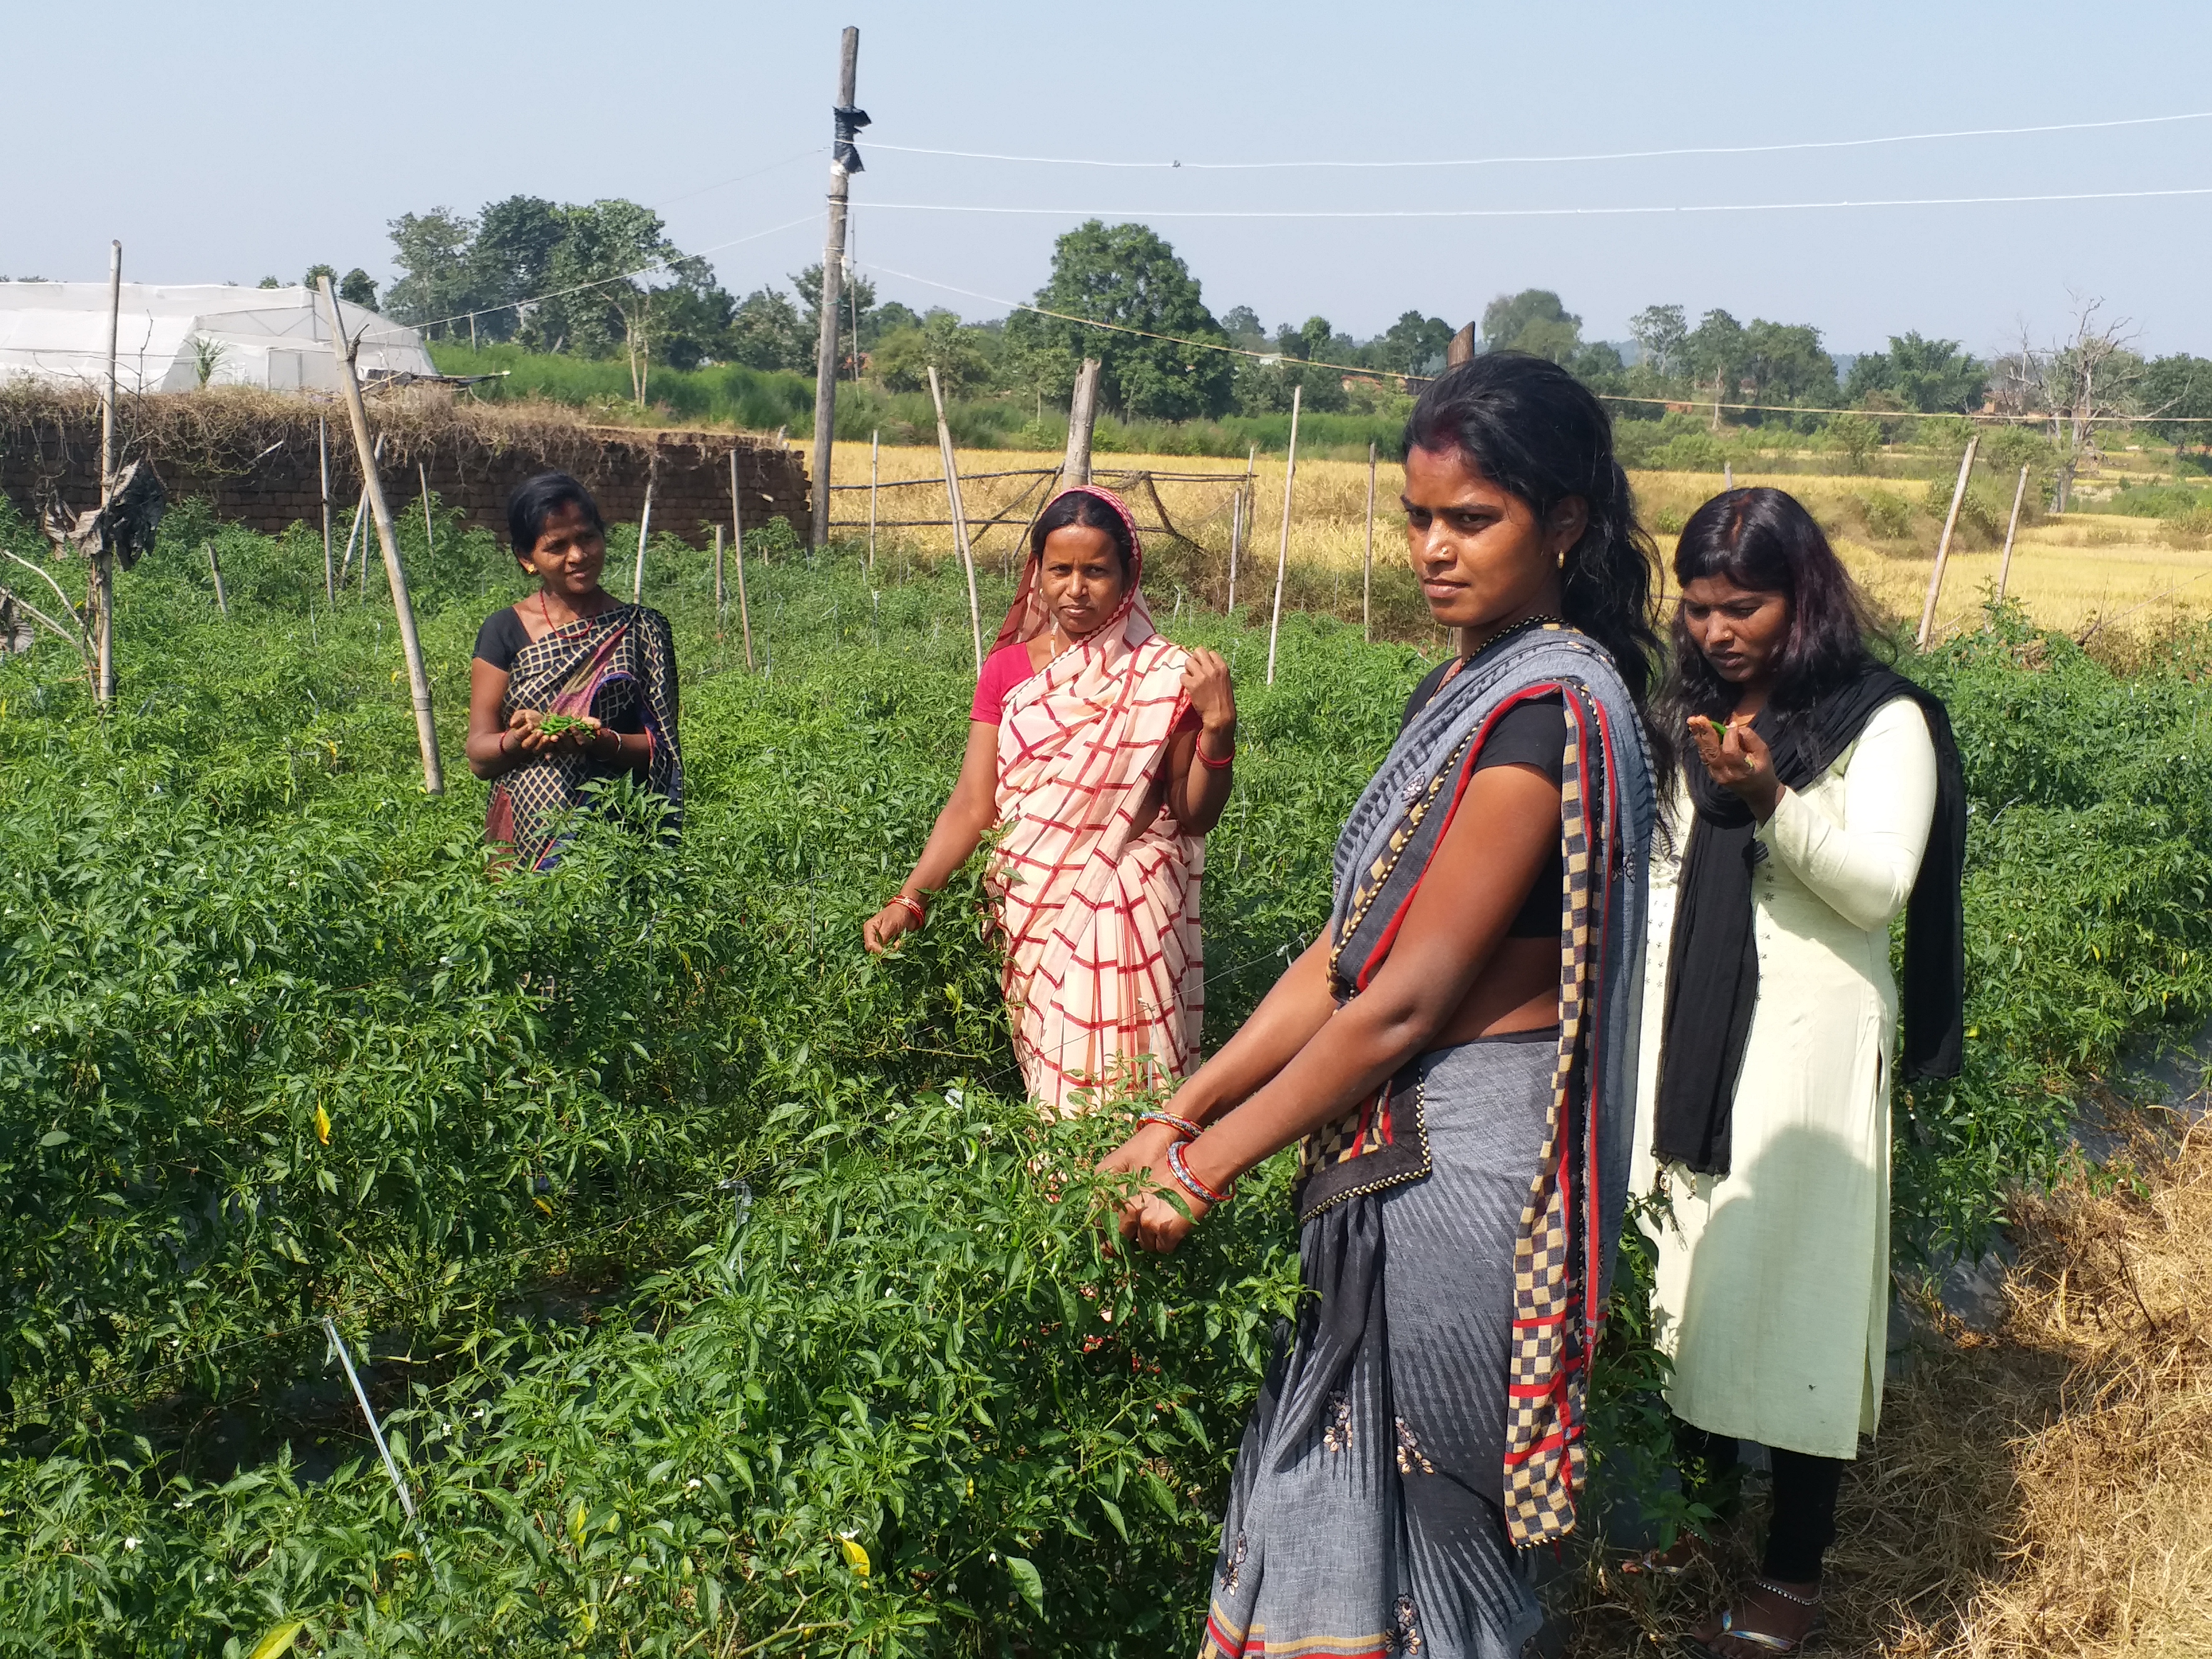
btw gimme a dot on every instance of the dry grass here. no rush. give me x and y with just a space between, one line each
2045 1490
2139 574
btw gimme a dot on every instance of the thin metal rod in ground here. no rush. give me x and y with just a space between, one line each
375 1430
1283 552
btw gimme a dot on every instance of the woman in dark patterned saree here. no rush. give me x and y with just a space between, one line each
1456 1055
601 674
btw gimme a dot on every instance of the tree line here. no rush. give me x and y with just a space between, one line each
602 279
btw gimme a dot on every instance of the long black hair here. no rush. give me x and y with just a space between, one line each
1080 506
1764 541
536 499
1534 431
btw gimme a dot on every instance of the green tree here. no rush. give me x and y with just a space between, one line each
1414 345
1532 320
1857 437
1126 274
767 332
438 277
511 263
857 289
2175 393
961 355
1662 333
1716 351
314 273
1931 376
877 321
1241 324
358 288
1785 364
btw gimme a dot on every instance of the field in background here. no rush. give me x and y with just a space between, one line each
2142 574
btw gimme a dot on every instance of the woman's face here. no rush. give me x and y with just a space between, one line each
1081 577
570 553
1484 559
1741 630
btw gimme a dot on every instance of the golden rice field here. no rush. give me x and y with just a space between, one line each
2138 574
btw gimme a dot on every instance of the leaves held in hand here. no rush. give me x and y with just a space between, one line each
554 725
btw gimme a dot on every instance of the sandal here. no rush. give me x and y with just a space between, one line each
1674 1561
1763 1641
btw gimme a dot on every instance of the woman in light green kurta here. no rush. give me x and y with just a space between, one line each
1825 797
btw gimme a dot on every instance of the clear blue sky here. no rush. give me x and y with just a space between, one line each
211 141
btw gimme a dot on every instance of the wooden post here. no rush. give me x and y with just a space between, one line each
644 529
1235 530
395 574
833 272
2004 564
1728 475
429 529
215 569
959 517
103 561
721 594
737 536
1367 576
875 457
323 452
1283 548
1943 547
1082 415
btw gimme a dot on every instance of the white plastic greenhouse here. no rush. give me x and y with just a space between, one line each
174 337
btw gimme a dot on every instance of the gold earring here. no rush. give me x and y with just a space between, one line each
1563 558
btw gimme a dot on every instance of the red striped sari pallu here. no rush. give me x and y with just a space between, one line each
618 667
1096 890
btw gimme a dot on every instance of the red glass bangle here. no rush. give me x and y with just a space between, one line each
1179 1166
1207 761
1182 1126
921 915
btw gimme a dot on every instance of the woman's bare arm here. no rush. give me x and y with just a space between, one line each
491 751
1505 830
1198 794
966 818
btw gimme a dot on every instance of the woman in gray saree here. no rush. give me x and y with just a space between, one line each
1457 1055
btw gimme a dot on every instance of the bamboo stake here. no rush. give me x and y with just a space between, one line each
103 561
215 569
323 452
875 456
1236 532
395 574
1728 475
2004 564
959 516
644 529
1367 575
1283 550
737 536
721 594
430 529
833 274
1943 547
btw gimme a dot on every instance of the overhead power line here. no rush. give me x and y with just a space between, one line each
1539 212
1536 160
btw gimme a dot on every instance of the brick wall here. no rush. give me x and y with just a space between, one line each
255 457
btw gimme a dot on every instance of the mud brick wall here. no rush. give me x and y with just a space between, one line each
255 460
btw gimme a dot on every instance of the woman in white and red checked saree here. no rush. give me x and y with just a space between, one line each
1102 752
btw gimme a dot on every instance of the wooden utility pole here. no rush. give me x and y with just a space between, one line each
644 529
738 537
844 161
215 569
322 451
1943 547
1082 415
875 459
1367 575
959 516
395 574
1283 548
103 561
2004 564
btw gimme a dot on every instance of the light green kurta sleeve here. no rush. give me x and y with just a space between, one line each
1865 874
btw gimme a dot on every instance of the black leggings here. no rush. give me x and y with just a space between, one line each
1804 1522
